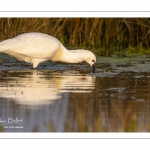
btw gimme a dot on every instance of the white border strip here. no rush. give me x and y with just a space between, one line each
74 135
74 5
58 14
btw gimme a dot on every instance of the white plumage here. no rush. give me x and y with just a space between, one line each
38 47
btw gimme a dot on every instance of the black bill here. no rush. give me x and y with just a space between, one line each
93 68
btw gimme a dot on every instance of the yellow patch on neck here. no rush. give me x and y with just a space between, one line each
58 55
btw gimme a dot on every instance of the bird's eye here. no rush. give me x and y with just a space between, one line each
93 60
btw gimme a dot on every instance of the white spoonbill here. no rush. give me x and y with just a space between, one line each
36 47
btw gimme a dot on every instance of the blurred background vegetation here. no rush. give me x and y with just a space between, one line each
103 36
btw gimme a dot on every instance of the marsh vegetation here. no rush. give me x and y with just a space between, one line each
104 36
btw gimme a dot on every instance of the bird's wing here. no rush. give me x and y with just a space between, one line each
33 45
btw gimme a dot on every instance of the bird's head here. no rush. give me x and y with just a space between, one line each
91 60
88 57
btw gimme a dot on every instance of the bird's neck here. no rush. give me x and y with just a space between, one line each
66 56
70 57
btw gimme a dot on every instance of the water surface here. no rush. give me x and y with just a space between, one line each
69 98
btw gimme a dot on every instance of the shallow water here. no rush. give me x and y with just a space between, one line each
64 97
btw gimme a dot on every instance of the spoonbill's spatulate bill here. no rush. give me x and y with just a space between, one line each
38 47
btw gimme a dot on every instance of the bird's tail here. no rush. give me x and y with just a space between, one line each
5 45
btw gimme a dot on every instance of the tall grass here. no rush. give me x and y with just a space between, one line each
102 35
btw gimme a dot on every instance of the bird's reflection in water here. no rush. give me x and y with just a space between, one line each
39 97
36 88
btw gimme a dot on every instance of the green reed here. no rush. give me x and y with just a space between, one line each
104 36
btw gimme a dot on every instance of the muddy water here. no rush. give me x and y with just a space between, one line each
64 97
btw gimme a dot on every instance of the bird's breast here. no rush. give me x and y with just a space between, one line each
58 56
